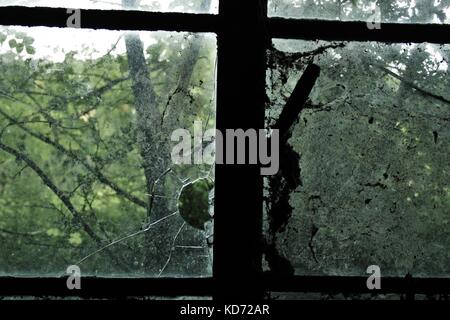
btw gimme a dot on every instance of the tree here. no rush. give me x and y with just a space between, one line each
84 156
391 11
373 151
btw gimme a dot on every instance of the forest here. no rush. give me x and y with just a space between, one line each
86 118
85 171
373 147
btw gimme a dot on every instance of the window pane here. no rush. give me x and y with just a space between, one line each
373 143
192 6
86 174
404 11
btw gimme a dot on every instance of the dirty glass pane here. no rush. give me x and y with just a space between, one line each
372 11
86 173
191 6
372 147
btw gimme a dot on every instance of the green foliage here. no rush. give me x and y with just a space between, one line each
391 11
76 121
374 149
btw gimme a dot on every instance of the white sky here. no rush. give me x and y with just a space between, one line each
53 43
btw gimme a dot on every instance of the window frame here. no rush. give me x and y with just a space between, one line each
244 33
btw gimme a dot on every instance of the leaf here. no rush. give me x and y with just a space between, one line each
75 239
53 232
123 64
2 38
20 35
12 43
19 47
124 67
30 50
28 41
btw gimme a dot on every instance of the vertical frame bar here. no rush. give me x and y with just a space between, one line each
242 44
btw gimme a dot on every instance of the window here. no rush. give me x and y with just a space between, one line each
81 181
362 173
400 11
373 158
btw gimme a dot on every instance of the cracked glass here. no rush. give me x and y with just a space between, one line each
372 11
371 154
86 174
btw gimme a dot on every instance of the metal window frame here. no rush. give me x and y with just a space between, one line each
244 33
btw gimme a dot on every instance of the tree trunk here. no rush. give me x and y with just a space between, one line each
153 141
153 149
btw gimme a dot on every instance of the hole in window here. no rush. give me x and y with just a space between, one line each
402 11
187 6
371 148
86 174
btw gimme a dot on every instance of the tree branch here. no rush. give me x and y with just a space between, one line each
412 85
60 194
100 176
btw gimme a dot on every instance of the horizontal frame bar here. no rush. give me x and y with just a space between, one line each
108 287
110 19
206 287
277 28
335 284
306 29
302 29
